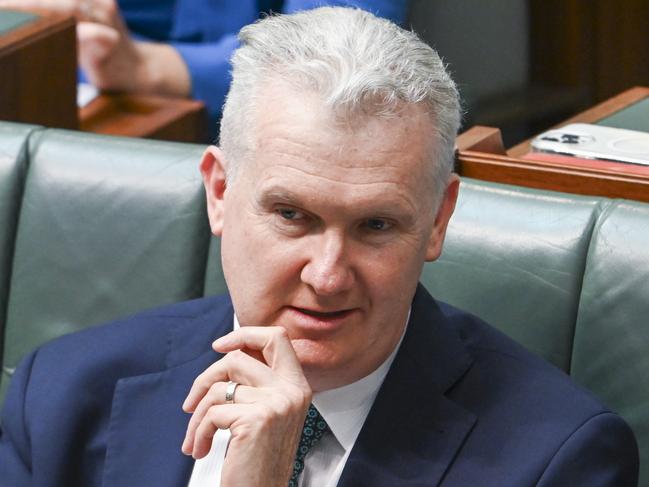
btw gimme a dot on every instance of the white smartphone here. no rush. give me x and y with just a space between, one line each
595 142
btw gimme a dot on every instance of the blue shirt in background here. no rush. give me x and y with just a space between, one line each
204 32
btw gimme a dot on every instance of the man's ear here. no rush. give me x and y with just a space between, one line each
213 171
446 208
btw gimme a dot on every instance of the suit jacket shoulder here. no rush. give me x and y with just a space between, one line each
465 405
139 343
75 397
461 405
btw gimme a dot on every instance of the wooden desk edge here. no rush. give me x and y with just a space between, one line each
480 138
41 27
592 115
480 155
159 119
566 178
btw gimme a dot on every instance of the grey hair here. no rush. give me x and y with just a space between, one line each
357 62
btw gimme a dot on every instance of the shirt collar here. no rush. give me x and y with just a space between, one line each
345 408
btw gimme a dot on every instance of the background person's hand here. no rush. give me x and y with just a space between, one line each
113 61
268 412
108 55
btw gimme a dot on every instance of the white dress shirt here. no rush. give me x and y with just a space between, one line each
345 410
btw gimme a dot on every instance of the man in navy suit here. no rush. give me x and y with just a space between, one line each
331 187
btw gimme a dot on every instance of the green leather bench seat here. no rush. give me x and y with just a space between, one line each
516 257
107 227
611 345
94 228
13 167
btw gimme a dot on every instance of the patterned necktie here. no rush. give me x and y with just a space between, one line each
314 428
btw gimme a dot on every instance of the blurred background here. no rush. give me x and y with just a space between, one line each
521 66
525 65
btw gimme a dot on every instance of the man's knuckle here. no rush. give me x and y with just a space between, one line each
261 418
212 413
215 389
235 356
279 333
306 397
283 405
200 382
293 398
298 395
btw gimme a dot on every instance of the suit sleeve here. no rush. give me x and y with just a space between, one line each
601 452
15 445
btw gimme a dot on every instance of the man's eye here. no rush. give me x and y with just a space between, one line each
378 224
290 214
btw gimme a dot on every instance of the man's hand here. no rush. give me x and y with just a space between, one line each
269 407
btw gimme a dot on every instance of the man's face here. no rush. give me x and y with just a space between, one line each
326 230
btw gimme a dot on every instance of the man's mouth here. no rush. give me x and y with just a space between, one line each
320 320
325 314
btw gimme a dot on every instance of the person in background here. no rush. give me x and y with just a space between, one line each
174 47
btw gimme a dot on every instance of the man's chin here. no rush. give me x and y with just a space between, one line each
314 353
318 360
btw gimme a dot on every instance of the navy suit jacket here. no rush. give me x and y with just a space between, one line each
462 405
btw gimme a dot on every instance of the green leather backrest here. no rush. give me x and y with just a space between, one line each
611 350
108 226
515 257
13 167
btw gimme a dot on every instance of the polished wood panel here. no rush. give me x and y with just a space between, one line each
481 139
480 156
543 175
147 116
38 73
622 37
598 45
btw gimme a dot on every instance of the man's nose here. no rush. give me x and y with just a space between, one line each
328 269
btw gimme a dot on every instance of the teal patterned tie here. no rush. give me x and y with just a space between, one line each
314 428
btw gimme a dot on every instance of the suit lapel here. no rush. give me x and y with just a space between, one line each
147 423
413 431
410 437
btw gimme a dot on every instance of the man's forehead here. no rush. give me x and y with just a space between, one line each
303 120
360 173
295 131
279 100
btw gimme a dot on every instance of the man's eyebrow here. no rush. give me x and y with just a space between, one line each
274 195
386 208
